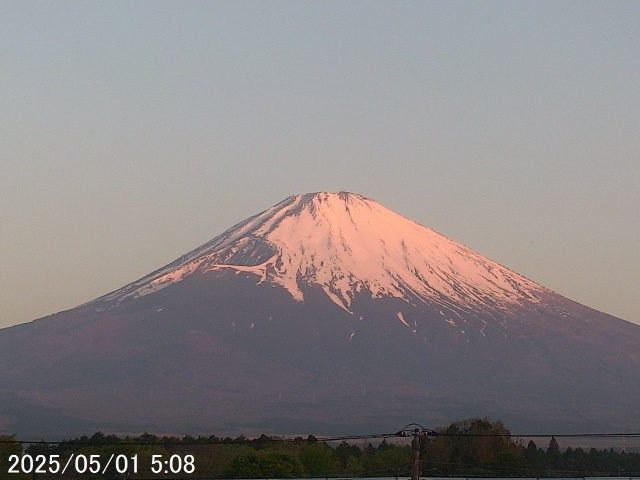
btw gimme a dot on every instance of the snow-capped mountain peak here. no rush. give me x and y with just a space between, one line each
347 245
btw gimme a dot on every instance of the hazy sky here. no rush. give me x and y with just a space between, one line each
132 132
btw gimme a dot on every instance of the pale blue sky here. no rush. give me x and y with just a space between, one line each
132 132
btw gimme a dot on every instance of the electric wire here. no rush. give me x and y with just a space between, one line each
407 431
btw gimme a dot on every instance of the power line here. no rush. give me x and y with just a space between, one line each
408 430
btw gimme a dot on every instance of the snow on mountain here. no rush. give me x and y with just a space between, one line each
347 244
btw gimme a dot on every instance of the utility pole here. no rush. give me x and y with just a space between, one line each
415 454
420 435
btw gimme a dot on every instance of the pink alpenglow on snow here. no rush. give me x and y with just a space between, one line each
346 244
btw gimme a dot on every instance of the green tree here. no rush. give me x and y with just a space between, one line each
344 451
554 458
510 463
475 447
391 460
353 467
8 447
266 464
395 461
318 459
244 466
535 458
384 445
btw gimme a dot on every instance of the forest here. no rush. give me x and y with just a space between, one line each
468 448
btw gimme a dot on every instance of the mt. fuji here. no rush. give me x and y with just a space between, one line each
326 313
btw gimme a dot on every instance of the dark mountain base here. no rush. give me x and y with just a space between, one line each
200 358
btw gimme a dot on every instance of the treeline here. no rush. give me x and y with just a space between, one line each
474 447
478 447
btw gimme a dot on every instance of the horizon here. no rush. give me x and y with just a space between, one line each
134 132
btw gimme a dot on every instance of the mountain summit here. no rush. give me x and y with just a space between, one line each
348 245
326 313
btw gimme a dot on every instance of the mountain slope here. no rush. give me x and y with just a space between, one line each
348 244
325 313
